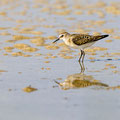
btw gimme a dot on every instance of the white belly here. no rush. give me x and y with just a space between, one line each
82 47
86 45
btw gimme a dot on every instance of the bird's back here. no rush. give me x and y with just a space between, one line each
80 39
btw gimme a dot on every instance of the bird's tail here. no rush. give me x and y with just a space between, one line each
100 37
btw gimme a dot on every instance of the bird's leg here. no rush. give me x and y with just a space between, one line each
83 56
80 55
82 67
81 63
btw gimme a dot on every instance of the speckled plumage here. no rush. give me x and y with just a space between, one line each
80 39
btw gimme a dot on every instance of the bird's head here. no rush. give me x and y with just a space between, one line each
62 36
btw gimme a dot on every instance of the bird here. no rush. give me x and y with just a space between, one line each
79 41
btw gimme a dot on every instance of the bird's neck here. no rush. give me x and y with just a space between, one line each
68 41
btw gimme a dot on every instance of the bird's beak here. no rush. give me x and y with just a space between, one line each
56 40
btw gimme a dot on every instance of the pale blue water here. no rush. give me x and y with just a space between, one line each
49 102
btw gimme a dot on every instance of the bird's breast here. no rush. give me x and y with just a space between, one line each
69 42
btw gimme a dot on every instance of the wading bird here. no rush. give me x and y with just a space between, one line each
79 41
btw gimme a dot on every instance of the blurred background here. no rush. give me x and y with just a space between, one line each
30 64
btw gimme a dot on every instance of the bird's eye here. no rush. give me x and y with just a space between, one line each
61 35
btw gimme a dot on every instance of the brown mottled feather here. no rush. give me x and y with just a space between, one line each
80 39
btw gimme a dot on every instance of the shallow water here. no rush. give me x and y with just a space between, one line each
41 80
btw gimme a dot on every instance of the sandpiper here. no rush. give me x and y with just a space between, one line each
79 41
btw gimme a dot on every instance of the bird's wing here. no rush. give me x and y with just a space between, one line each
80 39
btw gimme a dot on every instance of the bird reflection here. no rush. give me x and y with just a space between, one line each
82 67
79 80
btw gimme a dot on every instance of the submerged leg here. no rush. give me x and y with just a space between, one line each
80 55
82 67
